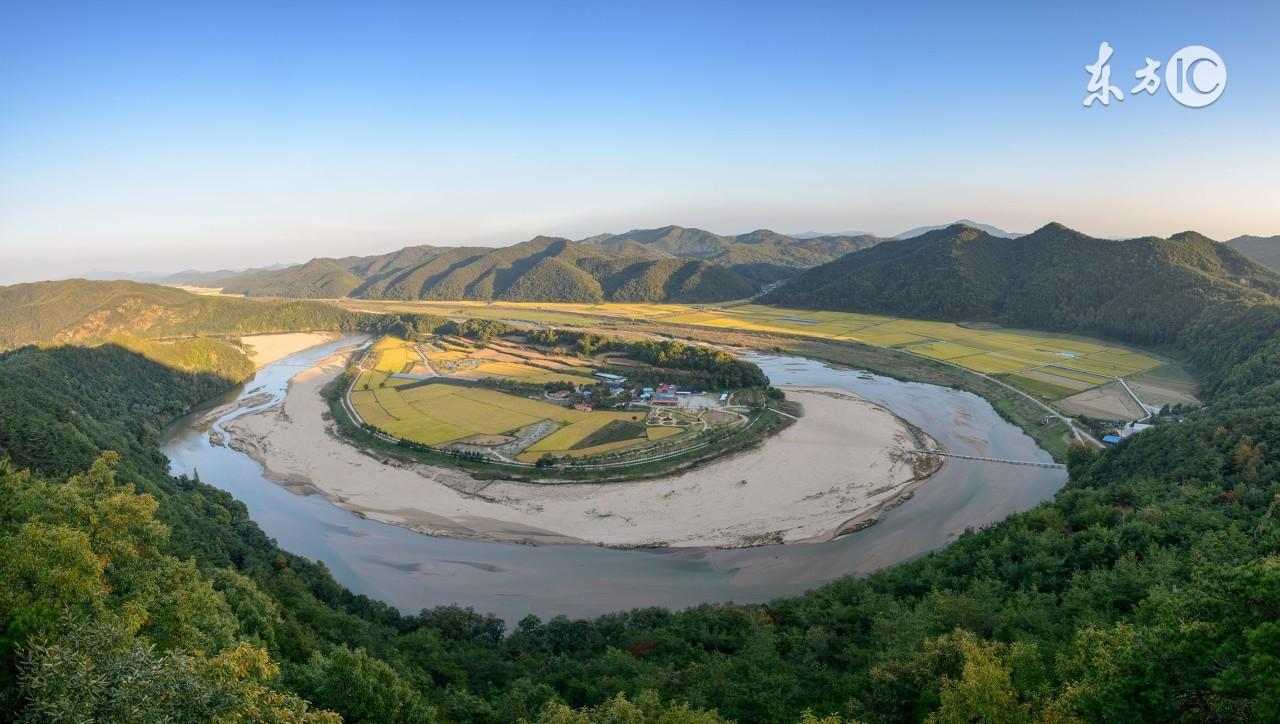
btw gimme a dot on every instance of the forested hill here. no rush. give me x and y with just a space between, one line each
1263 249
763 255
670 264
1146 290
85 312
541 269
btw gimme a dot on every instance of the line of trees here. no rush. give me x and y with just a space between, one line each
700 365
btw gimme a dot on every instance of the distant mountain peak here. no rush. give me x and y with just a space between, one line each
1054 226
817 234
1263 249
992 230
1190 235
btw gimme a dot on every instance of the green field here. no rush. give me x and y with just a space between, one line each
983 350
438 413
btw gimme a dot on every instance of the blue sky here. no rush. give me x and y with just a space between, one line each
172 135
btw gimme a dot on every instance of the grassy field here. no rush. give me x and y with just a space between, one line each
438 413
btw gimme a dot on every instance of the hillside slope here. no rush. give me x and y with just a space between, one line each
86 312
546 269
1263 249
1141 290
763 256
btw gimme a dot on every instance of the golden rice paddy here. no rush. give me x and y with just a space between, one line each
987 351
436 412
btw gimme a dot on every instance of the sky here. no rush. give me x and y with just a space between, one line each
164 136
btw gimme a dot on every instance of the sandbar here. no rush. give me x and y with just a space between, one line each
835 469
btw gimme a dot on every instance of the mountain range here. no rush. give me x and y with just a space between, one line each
690 265
1263 249
1054 278
670 264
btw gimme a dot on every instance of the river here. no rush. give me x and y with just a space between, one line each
413 571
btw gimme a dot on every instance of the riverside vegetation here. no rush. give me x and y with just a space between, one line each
1148 589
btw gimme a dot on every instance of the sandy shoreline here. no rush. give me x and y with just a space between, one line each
835 470
267 348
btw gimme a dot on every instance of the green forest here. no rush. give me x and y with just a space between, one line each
672 264
1147 291
541 269
1148 589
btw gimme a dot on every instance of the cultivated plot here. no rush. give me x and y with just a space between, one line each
1048 366
450 408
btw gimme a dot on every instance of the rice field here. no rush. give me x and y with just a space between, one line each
523 372
659 433
394 355
562 441
497 360
440 412
532 456
1070 361
1046 387
982 350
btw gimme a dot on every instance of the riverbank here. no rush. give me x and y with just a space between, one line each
836 469
267 348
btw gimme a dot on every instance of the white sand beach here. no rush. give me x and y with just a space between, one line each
837 468
268 348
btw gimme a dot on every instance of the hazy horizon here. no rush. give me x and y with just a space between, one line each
163 138
29 270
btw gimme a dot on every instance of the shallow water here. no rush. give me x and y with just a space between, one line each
414 571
